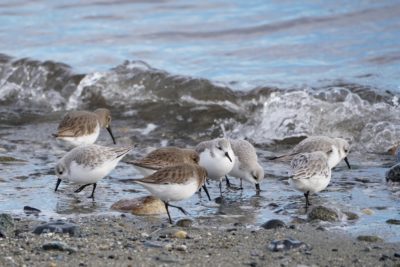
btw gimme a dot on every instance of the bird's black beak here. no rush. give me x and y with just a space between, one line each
57 184
347 162
205 189
258 189
227 155
112 136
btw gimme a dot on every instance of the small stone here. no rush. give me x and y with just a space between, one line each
52 264
2 233
184 223
367 211
393 174
321 228
57 227
274 224
351 216
397 254
323 213
384 257
286 244
30 210
148 205
181 248
181 234
393 221
369 238
61 246
10 159
168 246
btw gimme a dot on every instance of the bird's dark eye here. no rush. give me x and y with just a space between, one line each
345 151
255 177
220 148
330 151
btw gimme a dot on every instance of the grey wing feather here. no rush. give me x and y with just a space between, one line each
307 165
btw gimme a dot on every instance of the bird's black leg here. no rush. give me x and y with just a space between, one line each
179 208
308 203
228 183
241 184
94 188
220 187
81 188
169 216
57 184
205 189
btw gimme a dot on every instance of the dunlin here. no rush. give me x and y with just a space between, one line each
83 127
88 164
175 183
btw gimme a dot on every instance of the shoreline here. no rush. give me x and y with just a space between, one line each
127 240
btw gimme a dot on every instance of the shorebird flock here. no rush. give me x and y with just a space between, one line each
173 174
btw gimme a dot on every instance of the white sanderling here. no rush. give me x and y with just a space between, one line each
217 157
246 163
175 183
88 164
165 157
83 127
311 173
336 149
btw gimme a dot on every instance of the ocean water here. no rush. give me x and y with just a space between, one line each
177 72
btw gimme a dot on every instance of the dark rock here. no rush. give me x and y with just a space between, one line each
57 227
184 223
393 174
9 159
323 213
384 257
397 254
393 221
2 233
369 238
273 224
56 245
30 210
286 244
351 216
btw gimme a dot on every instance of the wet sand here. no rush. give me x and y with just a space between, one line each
127 240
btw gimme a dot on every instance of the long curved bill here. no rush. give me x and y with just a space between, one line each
57 184
112 136
229 157
205 189
347 162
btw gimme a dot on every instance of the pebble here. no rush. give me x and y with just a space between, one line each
397 254
323 213
393 221
351 216
184 223
31 210
181 248
369 238
181 234
367 211
57 227
393 174
286 244
148 205
273 224
56 245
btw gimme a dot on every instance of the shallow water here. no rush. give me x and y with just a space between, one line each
32 183
173 72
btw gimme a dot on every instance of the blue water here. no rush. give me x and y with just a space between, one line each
242 43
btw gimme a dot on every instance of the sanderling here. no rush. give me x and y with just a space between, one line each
88 164
336 149
217 157
83 127
165 157
246 163
311 173
175 183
